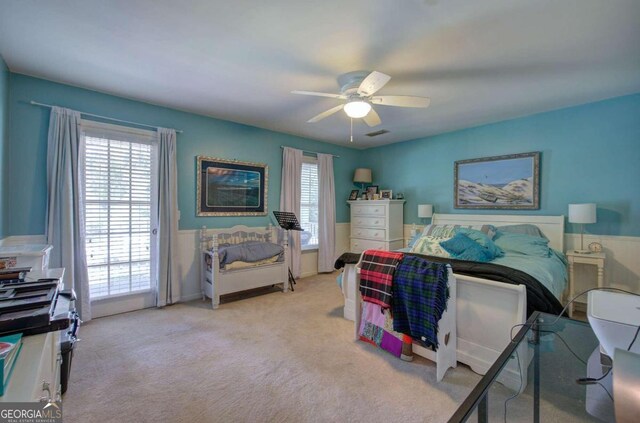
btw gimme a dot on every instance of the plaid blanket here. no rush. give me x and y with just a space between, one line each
420 294
376 276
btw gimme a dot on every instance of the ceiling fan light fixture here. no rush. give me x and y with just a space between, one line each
357 109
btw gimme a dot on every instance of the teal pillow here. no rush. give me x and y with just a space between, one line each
482 239
462 247
522 244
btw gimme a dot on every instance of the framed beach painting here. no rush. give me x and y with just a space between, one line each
501 182
231 187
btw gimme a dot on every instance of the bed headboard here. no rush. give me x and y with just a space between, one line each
551 226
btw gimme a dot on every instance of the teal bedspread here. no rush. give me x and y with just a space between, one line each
549 271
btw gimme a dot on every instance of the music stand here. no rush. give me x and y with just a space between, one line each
289 222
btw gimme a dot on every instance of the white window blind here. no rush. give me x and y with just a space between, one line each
118 178
309 203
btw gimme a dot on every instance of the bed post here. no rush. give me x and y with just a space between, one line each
215 273
357 298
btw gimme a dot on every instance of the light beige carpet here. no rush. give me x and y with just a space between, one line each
274 357
269 358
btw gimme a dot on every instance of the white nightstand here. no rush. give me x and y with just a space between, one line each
595 259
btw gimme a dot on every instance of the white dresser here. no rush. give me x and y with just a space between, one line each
376 224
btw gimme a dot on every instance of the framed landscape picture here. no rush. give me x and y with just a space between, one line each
231 187
501 182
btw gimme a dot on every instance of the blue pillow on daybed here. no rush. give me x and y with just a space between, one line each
462 247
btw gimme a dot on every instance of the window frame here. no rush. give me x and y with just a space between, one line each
120 133
310 160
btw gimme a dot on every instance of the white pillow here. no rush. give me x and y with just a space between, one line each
430 246
449 231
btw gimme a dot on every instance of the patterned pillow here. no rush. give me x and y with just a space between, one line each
430 246
449 231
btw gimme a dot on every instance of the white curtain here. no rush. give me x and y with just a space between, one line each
290 200
326 213
65 204
168 290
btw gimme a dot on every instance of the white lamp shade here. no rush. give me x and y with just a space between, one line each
362 175
582 213
357 109
425 210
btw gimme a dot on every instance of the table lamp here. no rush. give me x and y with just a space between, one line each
362 176
425 211
582 213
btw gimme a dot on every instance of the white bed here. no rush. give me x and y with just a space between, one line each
486 310
216 282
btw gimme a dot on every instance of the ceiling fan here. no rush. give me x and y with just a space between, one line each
358 89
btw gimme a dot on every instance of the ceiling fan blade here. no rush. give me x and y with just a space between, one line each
326 113
372 118
372 83
401 101
338 96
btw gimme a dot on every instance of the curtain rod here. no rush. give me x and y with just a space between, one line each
311 152
35 103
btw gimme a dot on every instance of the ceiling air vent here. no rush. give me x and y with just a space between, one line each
376 133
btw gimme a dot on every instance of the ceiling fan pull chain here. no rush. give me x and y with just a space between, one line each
351 139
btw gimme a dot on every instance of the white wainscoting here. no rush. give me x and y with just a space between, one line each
23 239
622 268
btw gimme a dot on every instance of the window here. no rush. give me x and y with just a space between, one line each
118 203
309 203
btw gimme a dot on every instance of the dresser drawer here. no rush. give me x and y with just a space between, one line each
359 245
368 210
368 222
368 233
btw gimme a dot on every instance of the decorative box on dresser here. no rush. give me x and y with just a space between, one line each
376 224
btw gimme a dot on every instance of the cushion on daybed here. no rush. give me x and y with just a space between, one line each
462 247
249 251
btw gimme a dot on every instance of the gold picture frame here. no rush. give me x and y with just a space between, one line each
231 187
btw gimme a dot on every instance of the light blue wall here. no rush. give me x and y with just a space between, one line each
4 139
590 153
202 136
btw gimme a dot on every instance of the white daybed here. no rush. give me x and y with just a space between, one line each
486 310
216 282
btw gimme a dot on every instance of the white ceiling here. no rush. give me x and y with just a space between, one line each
478 61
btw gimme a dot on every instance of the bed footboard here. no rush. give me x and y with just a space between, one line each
446 355
485 313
